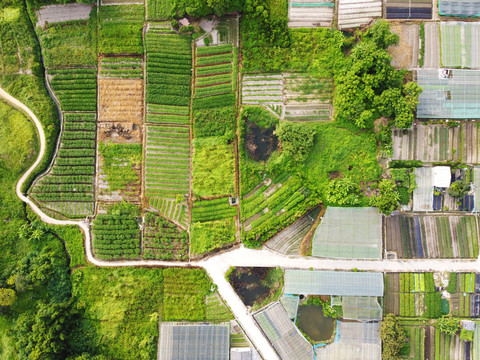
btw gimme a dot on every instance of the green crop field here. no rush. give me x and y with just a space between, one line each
76 89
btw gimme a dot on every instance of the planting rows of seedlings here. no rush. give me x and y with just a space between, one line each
266 90
428 143
416 339
159 9
272 208
120 30
116 234
121 67
162 240
188 289
171 209
71 209
71 178
432 236
306 98
216 209
412 294
451 347
465 294
169 70
76 89
215 76
70 44
289 239
216 310
167 164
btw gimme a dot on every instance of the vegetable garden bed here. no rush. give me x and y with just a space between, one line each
432 236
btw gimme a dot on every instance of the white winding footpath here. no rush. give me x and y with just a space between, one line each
216 266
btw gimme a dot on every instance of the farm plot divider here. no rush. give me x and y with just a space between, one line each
68 188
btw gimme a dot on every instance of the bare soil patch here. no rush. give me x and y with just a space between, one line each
59 13
120 100
405 54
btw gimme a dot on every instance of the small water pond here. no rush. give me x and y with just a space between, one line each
311 321
253 284
260 142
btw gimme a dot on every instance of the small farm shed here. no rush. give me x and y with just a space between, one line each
356 341
338 283
449 94
423 193
442 176
460 44
283 334
188 341
308 13
407 9
349 233
462 8
355 13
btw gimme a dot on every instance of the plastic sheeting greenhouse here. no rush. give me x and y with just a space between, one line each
362 308
476 181
461 8
460 42
449 94
184 341
356 341
283 334
351 233
339 283
423 193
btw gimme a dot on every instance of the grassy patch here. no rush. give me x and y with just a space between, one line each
119 162
215 122
210 235
213 168
71 43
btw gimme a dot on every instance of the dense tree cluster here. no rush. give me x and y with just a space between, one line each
369 87
296 139
393 338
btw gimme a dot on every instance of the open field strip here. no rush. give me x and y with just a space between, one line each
266 90
167 170
169 70
121 67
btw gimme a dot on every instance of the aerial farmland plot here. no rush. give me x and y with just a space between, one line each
291 96
430 236
308 13
437 143
406 53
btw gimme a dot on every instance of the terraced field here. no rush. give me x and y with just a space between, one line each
432 236
288 240
68 188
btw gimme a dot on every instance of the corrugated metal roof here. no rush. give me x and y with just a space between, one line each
182 341
459 8
357 341
339 283
453 95
349 233
283 334
355 13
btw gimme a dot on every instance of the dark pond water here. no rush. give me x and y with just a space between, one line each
312 322
260 142
247 282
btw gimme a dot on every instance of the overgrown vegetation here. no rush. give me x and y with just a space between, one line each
393 337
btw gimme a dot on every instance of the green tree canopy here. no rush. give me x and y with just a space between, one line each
393 338
387 198
343 192
296 139
369 87
458 189
448 325
7 297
